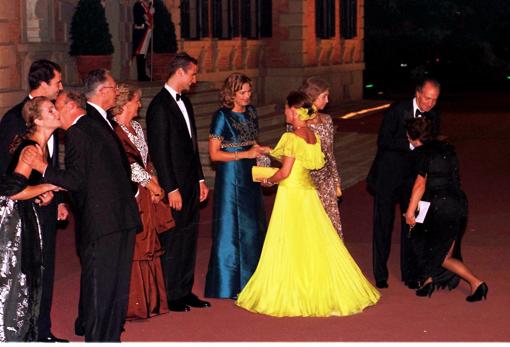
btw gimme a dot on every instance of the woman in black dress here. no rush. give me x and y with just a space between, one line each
438 182
21 262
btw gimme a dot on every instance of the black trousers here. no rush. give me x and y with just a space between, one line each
384 216
104 286
48 219
180 244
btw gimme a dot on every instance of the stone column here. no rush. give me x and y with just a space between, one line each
118 14
11 91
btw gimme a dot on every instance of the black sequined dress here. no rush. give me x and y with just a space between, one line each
446 218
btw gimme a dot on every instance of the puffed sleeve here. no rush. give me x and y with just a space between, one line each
284 148
292 146
217 125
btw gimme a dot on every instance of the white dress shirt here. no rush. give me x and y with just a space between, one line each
181 105
415 107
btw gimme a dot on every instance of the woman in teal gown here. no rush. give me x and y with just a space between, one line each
239 221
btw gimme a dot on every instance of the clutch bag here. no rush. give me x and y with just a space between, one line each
259 173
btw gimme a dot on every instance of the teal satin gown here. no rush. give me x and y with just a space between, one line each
239 221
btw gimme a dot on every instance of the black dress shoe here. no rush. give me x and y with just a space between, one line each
178 306
193 301
479 294
381 284
426 290
412 284
51 338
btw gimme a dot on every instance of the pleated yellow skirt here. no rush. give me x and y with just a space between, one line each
305 269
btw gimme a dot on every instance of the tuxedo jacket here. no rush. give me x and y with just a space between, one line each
393 161
98 175
173 152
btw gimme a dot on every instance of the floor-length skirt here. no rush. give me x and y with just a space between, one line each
305 269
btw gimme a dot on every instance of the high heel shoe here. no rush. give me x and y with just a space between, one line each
426 290
479 294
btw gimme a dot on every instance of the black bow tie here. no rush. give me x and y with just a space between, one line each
178 97
417 114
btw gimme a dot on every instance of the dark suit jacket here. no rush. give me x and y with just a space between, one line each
174 154
392 163
99 177
12 124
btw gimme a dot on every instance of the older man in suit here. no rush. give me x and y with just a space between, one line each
389 179
98 175
172 140
44 79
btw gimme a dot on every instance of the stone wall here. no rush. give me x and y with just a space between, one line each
10 65
34 29
296 53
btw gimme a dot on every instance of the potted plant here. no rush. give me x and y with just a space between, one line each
164 40
91 41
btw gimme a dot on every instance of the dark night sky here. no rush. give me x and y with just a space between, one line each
452 40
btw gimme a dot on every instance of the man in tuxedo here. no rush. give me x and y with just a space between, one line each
389 180
44 79
98 175
172 140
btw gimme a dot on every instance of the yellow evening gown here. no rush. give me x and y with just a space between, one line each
304 269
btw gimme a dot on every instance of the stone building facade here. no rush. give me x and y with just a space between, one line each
296 45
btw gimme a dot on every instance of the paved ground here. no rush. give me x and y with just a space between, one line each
479 126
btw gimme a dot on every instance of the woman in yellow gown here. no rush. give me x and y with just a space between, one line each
304 269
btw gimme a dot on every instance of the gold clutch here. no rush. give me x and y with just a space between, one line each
259 173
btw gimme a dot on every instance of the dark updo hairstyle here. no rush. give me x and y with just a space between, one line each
419 129
31 111
299 99
231 86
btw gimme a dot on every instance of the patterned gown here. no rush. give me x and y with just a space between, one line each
239 221
327 179
147 295
21 267
304 269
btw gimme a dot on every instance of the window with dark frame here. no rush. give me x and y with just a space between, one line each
251 19
325 19
194 19
348 19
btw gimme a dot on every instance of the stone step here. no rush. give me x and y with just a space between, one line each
346 142
267 118
152 88
354 153
196 98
